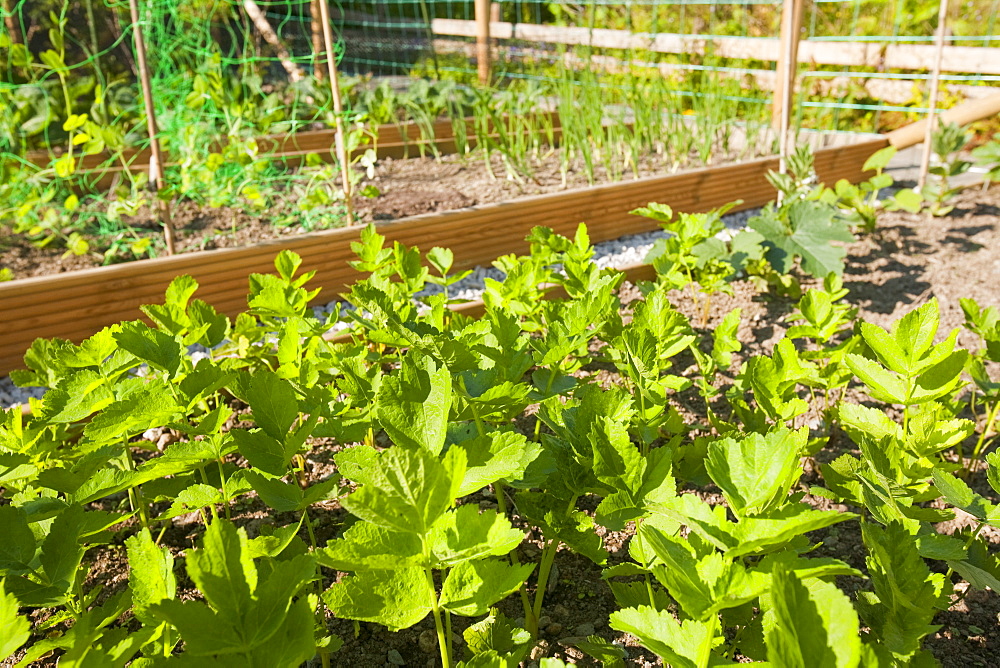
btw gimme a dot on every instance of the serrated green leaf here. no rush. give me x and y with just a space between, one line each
61 550
14 629
702 587
149 407
881 384
887 348
465 534
492 457
409 490
814 624
365 546
151 574
272 401
18 547
223 570
397 598
77 396
413 404
279 495
262 451
959 494
472 587
497 634
687 644
811 227
158 349
981 567
757 471
906 594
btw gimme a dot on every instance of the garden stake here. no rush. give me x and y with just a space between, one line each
156 156
338 108
925 158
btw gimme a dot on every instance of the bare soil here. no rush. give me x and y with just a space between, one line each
406 188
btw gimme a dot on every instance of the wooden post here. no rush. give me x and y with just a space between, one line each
12 23
787 67
925 158
155 156
483 40
316 29
338 107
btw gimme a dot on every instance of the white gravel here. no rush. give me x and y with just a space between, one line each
621 252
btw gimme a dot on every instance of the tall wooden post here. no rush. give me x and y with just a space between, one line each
483 40
316 30
11 22
156 156
787 67
338 108
925 158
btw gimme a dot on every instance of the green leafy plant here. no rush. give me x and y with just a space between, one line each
946 142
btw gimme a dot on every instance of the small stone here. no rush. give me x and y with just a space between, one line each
554 629
539 650
164 440
395 658
544 621
151 434
572 641
428 641
487 505
586 629
560 611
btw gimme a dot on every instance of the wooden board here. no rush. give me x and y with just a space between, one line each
76 304
972 59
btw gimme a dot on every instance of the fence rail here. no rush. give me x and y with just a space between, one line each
967 59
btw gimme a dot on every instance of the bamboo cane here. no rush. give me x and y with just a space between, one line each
156 156
338 108
925 158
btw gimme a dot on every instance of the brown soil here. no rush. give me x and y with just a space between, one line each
406 188
910 260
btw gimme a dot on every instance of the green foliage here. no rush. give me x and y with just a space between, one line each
988 156
427 407
805 230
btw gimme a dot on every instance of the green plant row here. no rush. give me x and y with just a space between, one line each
427 407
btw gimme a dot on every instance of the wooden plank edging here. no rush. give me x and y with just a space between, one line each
76 304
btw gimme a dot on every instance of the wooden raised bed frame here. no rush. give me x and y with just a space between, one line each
77 304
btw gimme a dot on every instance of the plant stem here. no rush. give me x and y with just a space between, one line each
990 418
438 625
135 493
498 490
222 488
548 556
649 590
